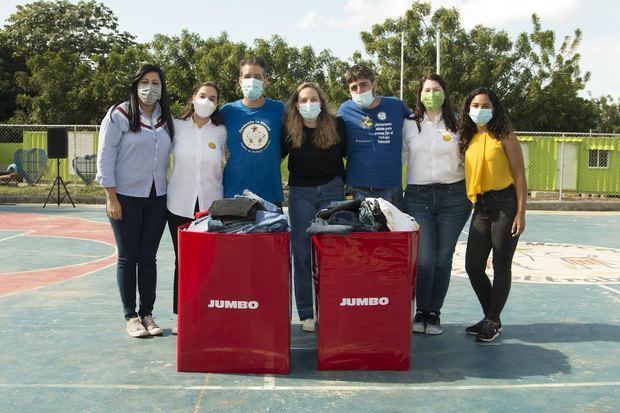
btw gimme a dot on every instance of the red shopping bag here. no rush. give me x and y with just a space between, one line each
234 302
364 285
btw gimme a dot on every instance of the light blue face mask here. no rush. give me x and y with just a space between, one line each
252 88
480 116
309 110
363 99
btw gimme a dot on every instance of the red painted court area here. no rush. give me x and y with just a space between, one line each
44 225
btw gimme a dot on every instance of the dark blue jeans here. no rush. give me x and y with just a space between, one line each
490 229
303 204
441 211
393 195
137 237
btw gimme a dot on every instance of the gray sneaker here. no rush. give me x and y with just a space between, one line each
135 328
175 325
433 325
419 322
308 325
150 326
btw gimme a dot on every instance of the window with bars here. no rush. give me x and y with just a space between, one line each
598 158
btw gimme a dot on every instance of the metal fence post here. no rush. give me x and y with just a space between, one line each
561 166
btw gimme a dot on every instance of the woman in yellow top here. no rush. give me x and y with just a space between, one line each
496 184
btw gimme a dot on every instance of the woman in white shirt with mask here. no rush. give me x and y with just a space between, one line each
198 153
435 196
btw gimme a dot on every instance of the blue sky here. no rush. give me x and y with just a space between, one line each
336 24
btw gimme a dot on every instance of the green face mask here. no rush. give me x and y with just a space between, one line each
433 100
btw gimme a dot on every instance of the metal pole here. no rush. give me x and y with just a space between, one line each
562 167
438 53
402 62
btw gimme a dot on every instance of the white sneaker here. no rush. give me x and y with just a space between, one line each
308 325
175 325
152 328
135 328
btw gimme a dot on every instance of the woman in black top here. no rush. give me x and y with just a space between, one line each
315 143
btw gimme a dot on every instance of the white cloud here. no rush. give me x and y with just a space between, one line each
364 13
492 13
309 21
495 13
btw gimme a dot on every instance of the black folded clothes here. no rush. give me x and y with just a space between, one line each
349 216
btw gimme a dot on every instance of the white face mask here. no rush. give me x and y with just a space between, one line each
203 107
309 110
149 93
363 99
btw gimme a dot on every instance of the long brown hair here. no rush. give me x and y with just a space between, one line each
325 134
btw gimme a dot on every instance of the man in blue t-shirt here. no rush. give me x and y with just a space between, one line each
374 126
254 126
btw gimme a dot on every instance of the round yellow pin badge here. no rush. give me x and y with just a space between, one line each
447 137
211 145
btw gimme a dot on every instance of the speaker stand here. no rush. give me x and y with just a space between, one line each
57 182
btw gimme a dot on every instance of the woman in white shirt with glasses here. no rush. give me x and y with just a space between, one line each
198 152
435 196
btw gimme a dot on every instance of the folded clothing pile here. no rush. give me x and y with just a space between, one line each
368 215
244 214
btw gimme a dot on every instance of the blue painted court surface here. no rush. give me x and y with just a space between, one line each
63 346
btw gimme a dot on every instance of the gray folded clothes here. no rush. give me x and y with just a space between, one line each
265 222
320 226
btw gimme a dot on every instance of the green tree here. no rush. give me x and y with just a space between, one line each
608 115
85 28
57 90
538 83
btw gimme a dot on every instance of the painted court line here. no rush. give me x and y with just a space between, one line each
16 235
609 288
379 388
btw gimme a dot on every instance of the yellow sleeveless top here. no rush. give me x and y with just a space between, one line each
486 166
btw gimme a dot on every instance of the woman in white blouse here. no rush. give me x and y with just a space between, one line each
435 196
198 155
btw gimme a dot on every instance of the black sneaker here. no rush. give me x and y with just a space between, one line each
474 330
488 332
419 322
433 324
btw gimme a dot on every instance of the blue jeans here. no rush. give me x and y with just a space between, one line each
393 195
490 229
137 237
303 204
441 210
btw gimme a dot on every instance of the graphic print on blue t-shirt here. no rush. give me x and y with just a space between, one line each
374 142
253 142
255 136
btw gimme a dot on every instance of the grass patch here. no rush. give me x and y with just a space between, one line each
43 189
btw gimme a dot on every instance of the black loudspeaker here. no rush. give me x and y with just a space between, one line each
57 143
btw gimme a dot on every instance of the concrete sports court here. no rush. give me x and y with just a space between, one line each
63 345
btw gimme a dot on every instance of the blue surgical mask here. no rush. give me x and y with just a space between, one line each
252 88
480 116
309 110
363 99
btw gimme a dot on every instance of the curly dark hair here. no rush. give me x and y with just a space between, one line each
499 126
447 111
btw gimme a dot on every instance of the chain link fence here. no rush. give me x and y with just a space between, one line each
571 166
559 165
24 157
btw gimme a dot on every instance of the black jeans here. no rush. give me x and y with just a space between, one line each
490 229
137 237
174 222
